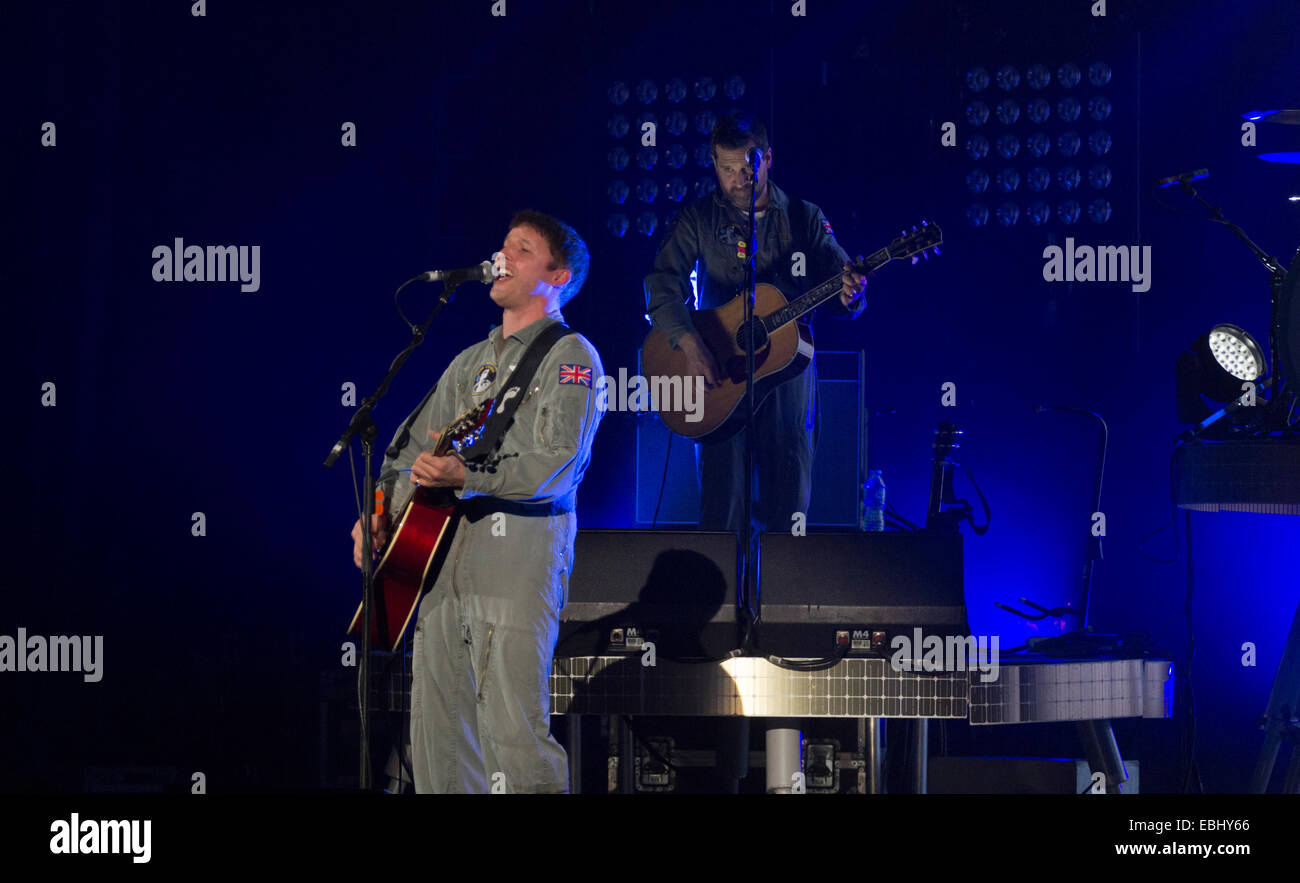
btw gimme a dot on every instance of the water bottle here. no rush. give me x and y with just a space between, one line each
873 501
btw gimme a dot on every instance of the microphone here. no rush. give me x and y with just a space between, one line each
754 156
477 273
1185 176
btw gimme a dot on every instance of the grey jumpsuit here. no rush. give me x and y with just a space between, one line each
485 632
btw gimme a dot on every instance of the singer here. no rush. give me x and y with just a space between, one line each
712 231
486 631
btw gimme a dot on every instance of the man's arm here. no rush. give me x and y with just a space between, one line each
829 258
546 461
435 413
668 287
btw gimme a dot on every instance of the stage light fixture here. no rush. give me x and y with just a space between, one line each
676 122
617 225
977 214
1068 210
617 158
1099 142
617 192
675 189
977 181
1099 107
1038 144
617 126
1039 76
703 155
1038 179
705 88
675 89
977 113
1008 214
1068 178
1008 180
647 223
734 88
977 79
1038 111
1215 367
1038 212
1008 78
647 91
1099 211
675 156
647 158
1099 73
1068 109
1068 75
705 186
618 93
1067 143
977 147
647 190
1008 145
1099 177
1008 111
705 120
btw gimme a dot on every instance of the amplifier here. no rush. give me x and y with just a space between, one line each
828 593
675 588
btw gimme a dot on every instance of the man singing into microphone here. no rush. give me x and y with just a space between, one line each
712 232
486 630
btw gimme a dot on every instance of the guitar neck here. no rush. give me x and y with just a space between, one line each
815 297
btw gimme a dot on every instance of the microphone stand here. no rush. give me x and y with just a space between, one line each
361 425
752 605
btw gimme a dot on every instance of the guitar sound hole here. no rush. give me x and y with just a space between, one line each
759 335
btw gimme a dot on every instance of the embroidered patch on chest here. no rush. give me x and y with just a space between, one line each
487 372
576 374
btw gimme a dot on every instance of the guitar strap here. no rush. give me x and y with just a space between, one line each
507 401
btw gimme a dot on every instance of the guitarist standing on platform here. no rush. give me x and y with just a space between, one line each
486 630
712 232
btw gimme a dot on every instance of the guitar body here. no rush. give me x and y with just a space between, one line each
785 353
418 546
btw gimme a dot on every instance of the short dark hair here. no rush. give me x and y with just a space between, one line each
736 130
568 251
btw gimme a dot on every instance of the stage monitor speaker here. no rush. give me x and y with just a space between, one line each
837 470
829 593
675 588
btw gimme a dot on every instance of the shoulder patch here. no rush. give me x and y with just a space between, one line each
579 375
826 225
483 378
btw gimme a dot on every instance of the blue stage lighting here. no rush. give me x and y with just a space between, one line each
1008 180
647 190
675 89
977 215
1099 107
617 192
1099 211
703 155
977 113
618 93
1038 76
617 158
1038 179
646 91
1038 144
647 158
1008 78
676 122
977 147
1068 109
705 88
1068 211
1068 178
1038 213
617 225
617 126
1068 76
1067 143
1099 177
734 88
675 189
705 120
977 181
647 223
977 79
1099 142
675 156
1008 111
1038 111
1008 214
1099 73
1008 145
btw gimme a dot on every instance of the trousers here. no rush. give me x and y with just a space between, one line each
484 642
786 429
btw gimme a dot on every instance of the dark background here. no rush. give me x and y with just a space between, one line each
176 398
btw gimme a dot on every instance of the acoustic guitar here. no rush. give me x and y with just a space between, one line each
782 344
418 546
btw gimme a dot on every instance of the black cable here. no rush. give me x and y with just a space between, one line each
663 480
627 721
396 305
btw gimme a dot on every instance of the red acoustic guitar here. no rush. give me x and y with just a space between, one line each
418 546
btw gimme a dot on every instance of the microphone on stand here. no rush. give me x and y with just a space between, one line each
1179 179
754 157
478 273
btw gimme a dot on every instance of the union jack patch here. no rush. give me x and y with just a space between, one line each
579 374
826 225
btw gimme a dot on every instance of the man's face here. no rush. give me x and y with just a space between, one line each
526 259
734 174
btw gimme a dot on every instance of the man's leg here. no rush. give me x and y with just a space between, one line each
445 754
786 424
721 469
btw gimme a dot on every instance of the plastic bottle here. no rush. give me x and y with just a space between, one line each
873 501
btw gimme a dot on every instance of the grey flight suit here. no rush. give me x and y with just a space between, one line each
709 231
486 630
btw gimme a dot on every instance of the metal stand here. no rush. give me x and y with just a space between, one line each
363 426
1279 721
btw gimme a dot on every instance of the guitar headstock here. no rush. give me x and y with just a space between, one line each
917 244
464 431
